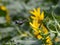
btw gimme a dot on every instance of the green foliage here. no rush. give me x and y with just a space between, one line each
2 13
19 10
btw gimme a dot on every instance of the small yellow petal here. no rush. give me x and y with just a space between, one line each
48 40
42 16
32 17
38 10
33 13
39 37
34 27
35 10
36 33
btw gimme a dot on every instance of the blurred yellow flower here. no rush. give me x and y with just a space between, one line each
48 40
39 37
37 14
3 8
36 24
7 15
36 33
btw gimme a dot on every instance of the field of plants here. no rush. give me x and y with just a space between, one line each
29 22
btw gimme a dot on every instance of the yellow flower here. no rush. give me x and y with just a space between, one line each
35 25
39 37
36 33
37 17
48 40
36 14
3 8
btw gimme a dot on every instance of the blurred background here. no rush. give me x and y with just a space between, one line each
14 23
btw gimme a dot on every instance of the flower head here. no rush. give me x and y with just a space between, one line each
3 8
3 11
36 24
37 14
